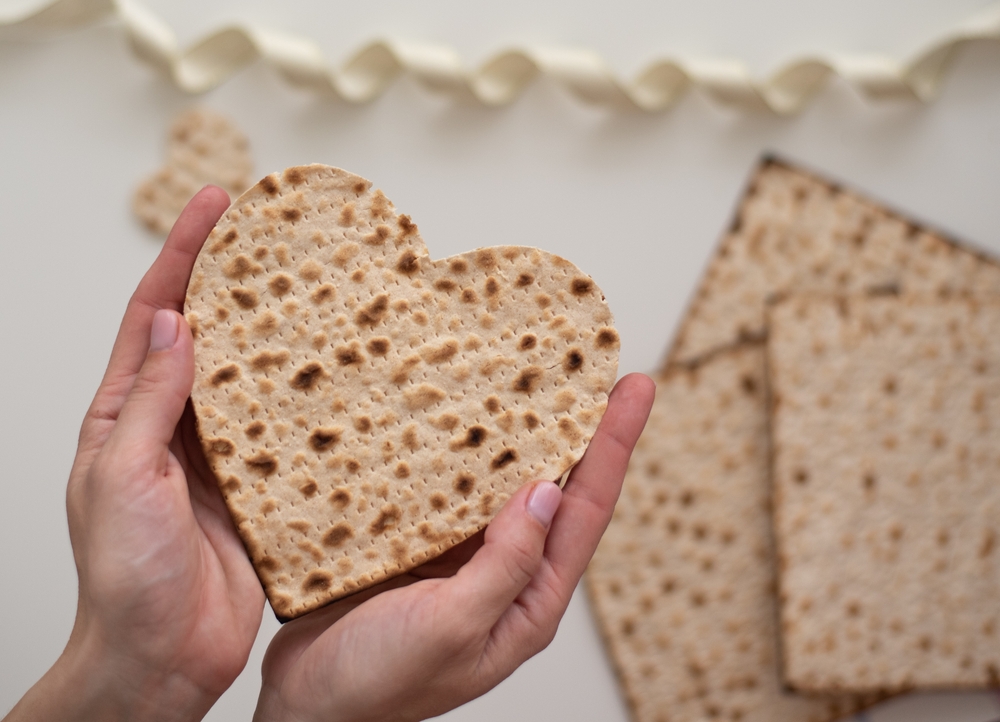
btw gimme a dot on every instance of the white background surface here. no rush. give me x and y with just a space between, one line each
636 200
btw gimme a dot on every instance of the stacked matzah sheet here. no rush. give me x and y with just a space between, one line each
684 581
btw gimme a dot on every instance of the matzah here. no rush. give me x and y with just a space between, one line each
886 457
796 231
202 147
365 407
683 580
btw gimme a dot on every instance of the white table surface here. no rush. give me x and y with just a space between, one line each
636 200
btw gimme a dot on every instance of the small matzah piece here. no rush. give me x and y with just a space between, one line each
203 147
365 407
683 580
886 430
795 231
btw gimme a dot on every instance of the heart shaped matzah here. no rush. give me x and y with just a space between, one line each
364 407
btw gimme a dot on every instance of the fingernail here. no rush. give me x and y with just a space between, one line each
544 501
164 331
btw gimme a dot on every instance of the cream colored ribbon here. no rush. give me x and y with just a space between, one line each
585 74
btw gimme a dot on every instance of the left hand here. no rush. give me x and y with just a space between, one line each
169 604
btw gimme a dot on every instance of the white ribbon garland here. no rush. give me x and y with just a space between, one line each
214 59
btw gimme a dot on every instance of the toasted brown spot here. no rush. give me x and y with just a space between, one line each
801 476
388 517
309 488
349 355
230 485
294 176
581 286
324 438
569 430
352 465
263 462
244 297
445 284
469 296
402 372
266 322
407 226
338 534
474 437
408 263
989 543
446 422
528 380
380 204
402 470
464 484
531 419
269 184
524 279
255 429
358 276
310 270
492 404
606 338
241 267
505 457
264 360
307 377
486 504
340 497
422 396
260 252
229 372
291 214
527 342
572 361
438 501
374 312
323 294
226 240
360 186
440 354
492 287
280 284
486 258
220 447
269 564
379 236
378 346
363 424
458 266
347 214
318 580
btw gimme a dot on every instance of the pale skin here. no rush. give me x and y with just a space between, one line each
169 605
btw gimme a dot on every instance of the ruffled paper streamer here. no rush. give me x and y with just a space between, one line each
502 79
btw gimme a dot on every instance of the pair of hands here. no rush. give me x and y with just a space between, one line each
169 605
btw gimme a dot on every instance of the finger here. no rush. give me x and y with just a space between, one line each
158 395
163 286
594 484
511 554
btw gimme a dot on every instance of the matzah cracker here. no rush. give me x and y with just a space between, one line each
887 511
203 147
683 580
795 231
365 407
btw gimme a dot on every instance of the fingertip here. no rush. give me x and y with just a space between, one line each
543 502
163 333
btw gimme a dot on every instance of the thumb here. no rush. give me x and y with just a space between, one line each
156 400
511 553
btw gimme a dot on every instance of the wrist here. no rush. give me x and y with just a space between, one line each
90 682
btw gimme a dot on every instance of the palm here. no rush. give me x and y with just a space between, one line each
163 574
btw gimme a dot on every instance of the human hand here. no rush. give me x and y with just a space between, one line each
428 641
169 604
